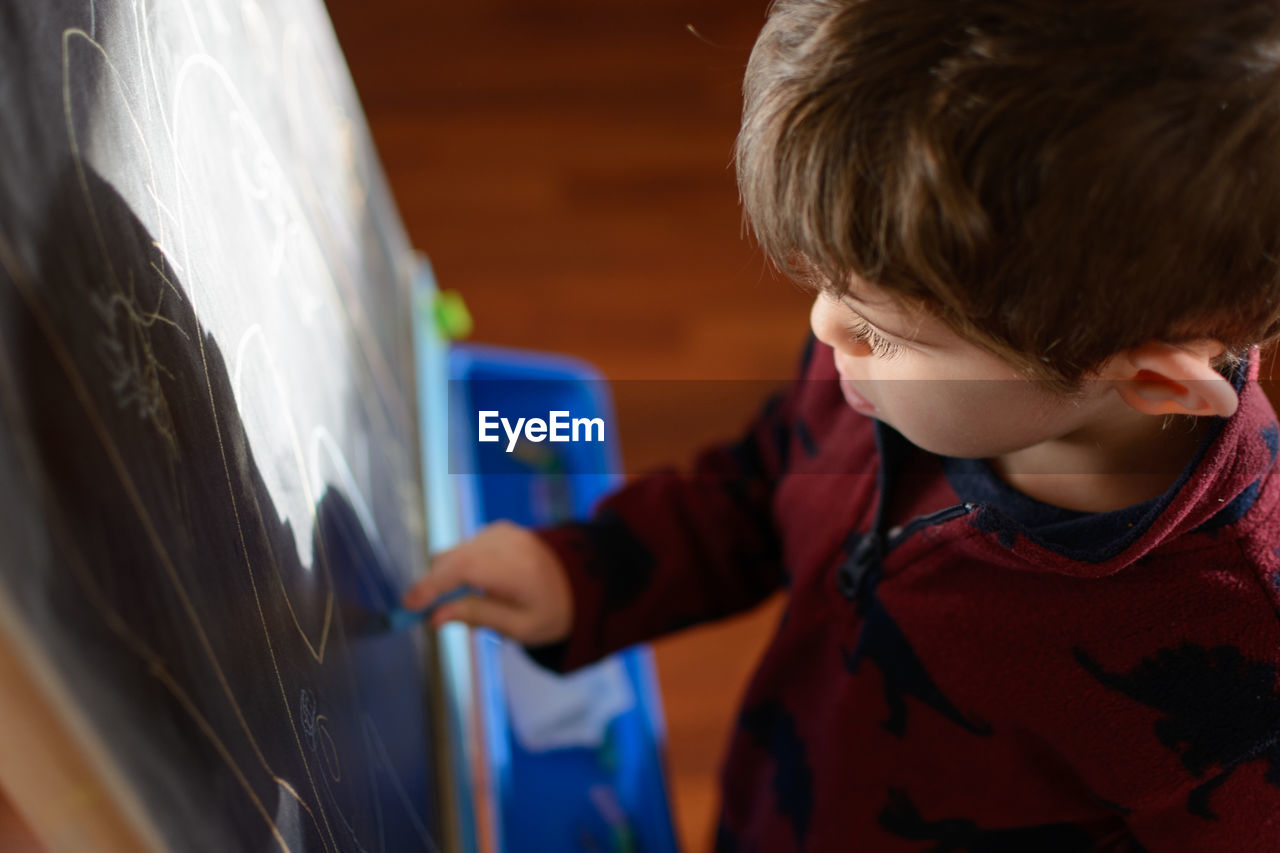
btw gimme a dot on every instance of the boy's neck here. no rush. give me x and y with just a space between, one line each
1114 462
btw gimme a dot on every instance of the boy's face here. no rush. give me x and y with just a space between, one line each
944 394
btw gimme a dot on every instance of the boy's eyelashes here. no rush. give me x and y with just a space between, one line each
881 347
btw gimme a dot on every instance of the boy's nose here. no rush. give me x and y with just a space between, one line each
822 320
830 323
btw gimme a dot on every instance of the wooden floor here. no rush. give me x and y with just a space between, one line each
566 165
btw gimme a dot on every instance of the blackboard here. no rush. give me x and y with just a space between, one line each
209 451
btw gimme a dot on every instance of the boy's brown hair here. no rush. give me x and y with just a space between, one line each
1057 181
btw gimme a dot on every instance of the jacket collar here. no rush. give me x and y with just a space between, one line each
1227 474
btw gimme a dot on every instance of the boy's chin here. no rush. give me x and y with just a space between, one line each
947 445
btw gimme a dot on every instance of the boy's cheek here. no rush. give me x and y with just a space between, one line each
954 418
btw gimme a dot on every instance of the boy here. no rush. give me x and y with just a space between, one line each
1023 498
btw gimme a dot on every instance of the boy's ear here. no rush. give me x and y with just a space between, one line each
1157 378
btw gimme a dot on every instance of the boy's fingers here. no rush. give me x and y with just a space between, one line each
447 570
484 562
481 612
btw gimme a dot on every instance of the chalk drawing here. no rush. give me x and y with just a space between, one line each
325 293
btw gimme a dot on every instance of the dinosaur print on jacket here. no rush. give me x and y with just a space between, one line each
1220 710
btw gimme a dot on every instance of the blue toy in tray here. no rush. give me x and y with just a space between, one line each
575 761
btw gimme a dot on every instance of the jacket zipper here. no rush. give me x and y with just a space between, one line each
874 546
895 535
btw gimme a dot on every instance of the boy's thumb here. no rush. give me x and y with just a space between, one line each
481 613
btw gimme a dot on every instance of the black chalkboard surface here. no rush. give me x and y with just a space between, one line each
208 438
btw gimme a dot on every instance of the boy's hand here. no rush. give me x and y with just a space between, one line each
526 594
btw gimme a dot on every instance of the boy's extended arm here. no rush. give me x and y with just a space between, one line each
672 549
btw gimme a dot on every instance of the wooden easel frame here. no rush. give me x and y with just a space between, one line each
54 768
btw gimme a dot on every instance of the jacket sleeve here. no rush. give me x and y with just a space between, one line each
673 549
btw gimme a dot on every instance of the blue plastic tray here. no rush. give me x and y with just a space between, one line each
610 797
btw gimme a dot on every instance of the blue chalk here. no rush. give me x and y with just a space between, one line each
400 619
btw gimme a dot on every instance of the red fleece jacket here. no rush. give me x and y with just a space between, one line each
960 667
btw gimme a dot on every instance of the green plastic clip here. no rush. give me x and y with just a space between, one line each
453 320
